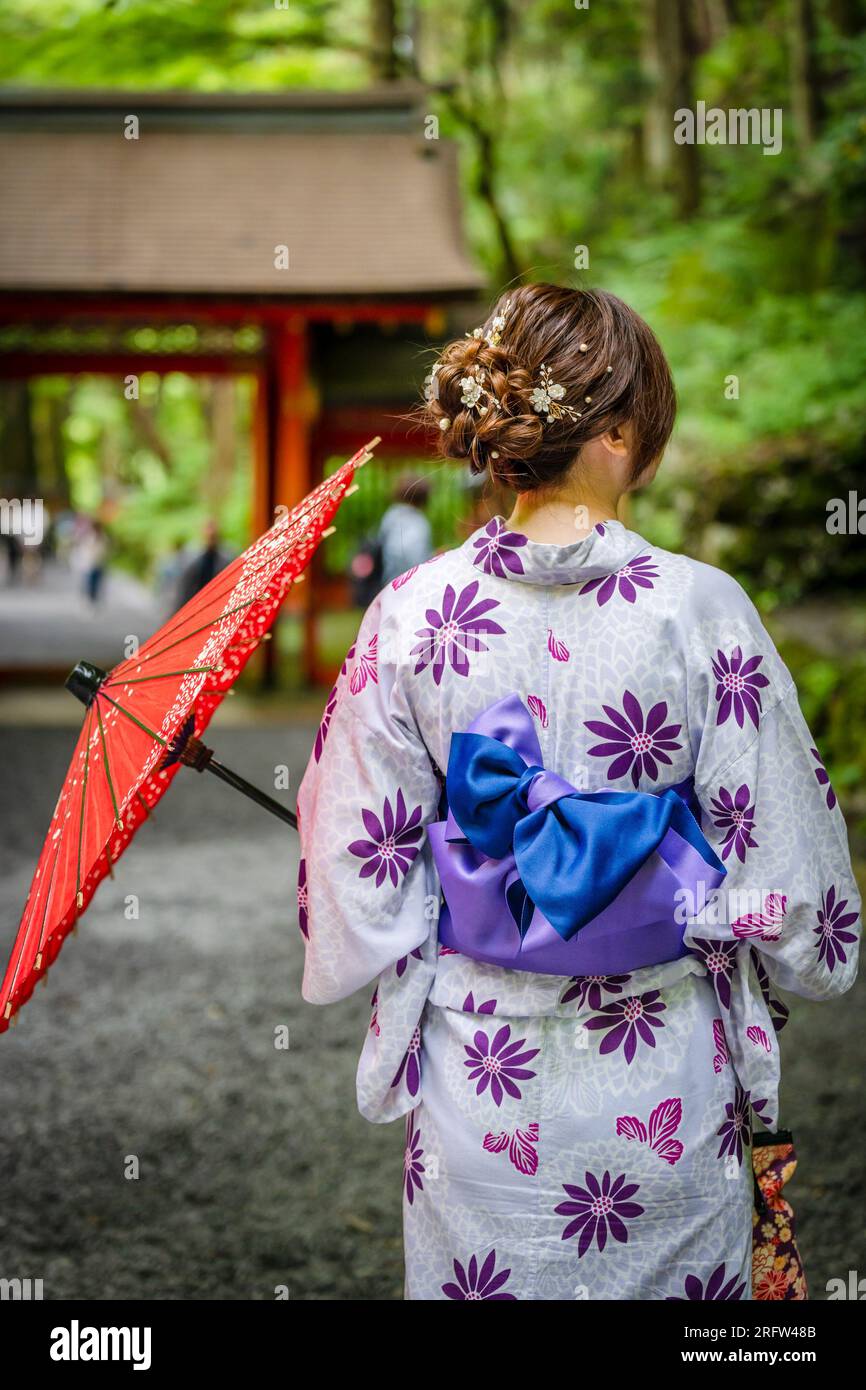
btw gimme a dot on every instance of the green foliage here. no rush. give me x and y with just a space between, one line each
210 46
151 487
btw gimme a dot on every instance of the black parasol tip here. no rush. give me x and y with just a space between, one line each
84 680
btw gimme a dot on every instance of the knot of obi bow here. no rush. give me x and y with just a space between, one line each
570 854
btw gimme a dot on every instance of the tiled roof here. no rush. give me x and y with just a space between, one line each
201 209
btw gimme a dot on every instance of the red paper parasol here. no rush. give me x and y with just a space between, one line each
145 718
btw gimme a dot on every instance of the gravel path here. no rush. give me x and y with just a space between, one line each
155 1038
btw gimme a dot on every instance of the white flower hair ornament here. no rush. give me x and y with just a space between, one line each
545 399
472 390
497 327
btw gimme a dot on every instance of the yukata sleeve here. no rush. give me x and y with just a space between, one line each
786 916
368 889
774 820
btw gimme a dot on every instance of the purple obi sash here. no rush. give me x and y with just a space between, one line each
539 876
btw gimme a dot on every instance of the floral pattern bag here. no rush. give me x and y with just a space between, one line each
777 1269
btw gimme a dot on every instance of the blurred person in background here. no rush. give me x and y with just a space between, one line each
91 557
204 566
405 535
12 553
170 569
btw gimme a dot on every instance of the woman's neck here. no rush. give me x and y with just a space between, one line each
560 518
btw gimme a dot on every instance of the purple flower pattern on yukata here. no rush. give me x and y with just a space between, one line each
832 930
720 958
410 1067
736 1129
634 743
599 1209
454 631
374 1016
760 1109
498 549
589 990
393 842
823 778
735 815
322 731
474 1284
303 901
470 1007
779 1012
499 1064
738 686
413 1168
630 1021
400 967
718 1287
637 574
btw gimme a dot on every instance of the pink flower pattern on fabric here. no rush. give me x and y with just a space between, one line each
766 924
757 1036
663 1123
366 668
558 650
519 1145
404 577
538 708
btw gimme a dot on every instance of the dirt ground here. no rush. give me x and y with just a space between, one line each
154 1041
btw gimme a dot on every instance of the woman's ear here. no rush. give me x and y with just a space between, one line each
617 440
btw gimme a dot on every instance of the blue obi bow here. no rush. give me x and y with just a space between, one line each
537 875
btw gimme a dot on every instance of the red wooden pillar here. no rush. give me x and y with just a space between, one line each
295 409
262 514
284 416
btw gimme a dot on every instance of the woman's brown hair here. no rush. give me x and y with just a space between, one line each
601 352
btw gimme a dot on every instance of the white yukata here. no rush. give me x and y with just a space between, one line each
573 1136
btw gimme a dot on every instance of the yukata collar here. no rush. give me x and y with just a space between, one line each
497 550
